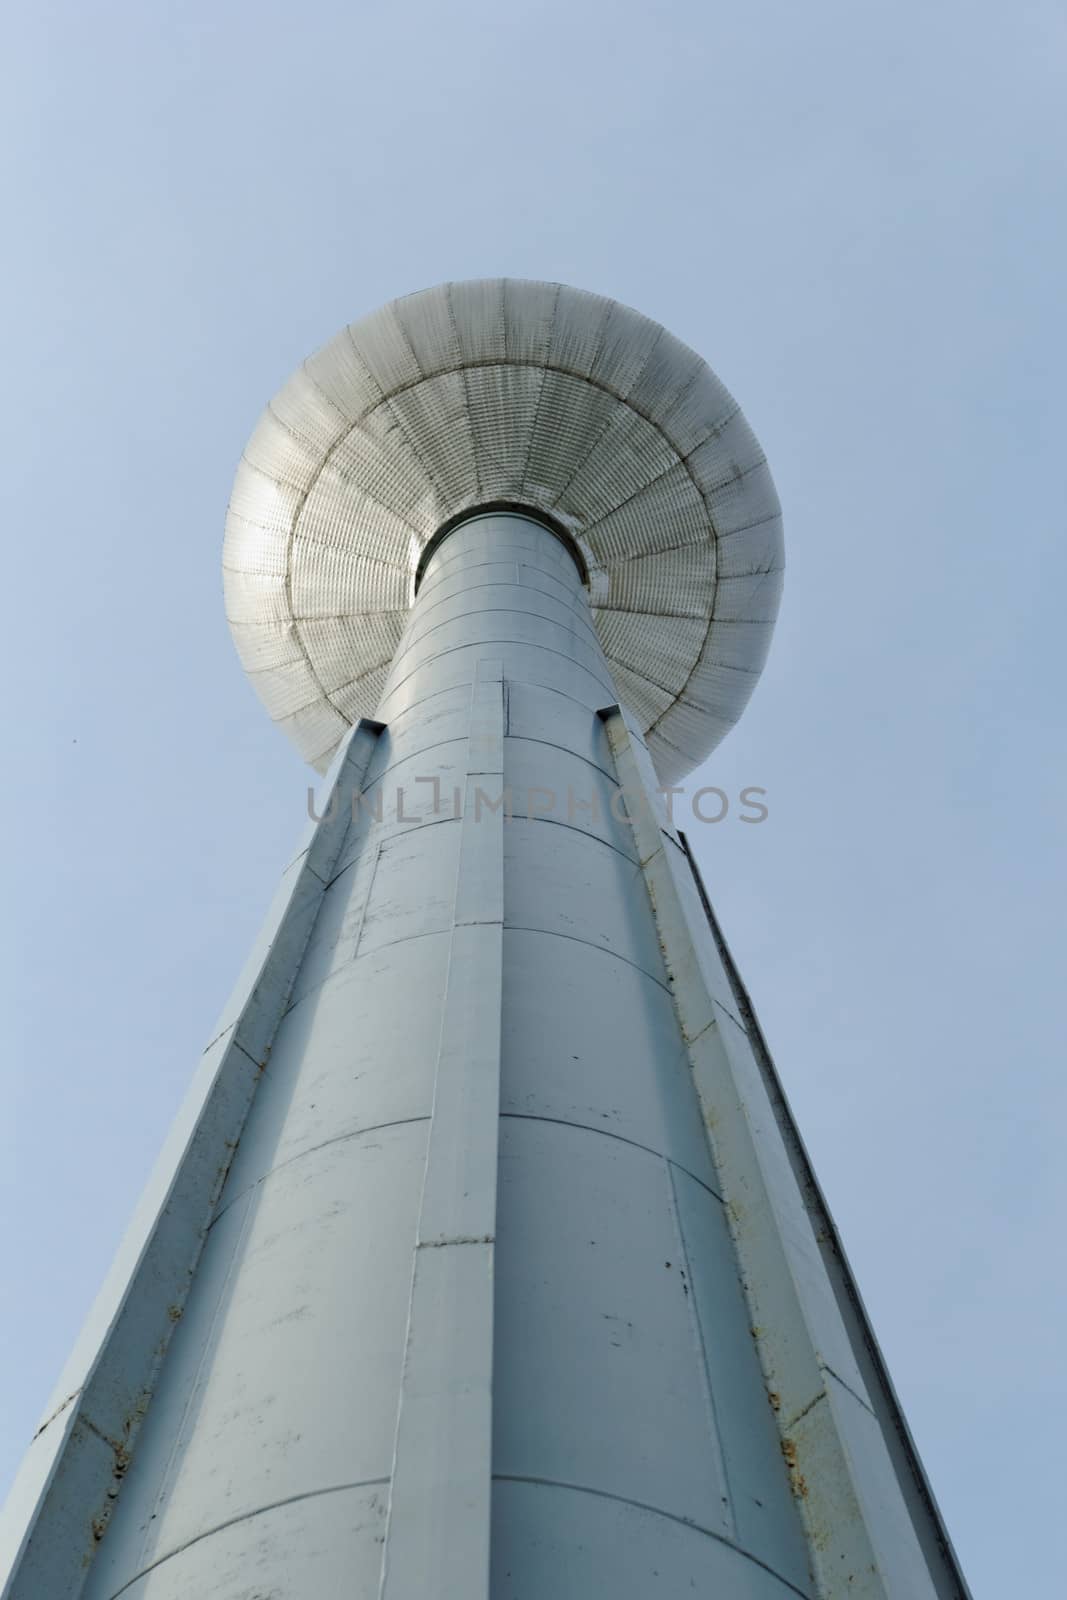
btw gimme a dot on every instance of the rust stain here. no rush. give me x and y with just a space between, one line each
797 1480
56 1413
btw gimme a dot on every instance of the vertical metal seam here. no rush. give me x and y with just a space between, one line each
378 848
476 1582
827 1235
195 1388
709 1393
164 1209
834 1486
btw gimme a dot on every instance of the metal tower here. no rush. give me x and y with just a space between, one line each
484 1261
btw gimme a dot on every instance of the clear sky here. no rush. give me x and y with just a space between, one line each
857 213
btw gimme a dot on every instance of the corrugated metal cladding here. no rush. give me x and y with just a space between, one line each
505 391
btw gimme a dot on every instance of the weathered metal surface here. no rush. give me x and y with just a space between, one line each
383 1359
63 1499
437 1534
498 391
475 1311
911 1477
869 1533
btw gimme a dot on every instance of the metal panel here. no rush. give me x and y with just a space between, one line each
435 418
51 1527
559 1541
600 1380
910 1475
866 1532
580 890
528 662
555 719
329 1080
764 1517
605 1055
259 1402
564 790
514 1190
325 1545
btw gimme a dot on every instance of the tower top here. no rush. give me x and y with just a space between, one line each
492 393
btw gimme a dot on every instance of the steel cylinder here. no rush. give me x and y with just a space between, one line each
421 1283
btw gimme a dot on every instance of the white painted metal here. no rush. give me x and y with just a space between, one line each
868 1528
485 1261
385 1363
505 391
65 1492
437 1534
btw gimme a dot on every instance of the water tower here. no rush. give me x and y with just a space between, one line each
485 1261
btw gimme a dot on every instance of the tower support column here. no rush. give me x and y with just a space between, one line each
507 1284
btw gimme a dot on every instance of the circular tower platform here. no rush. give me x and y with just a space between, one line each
505 393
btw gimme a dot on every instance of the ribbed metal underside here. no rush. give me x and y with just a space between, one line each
518 392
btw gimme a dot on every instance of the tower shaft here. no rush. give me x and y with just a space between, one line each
485 1261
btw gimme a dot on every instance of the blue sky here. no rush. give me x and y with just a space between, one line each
857 214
